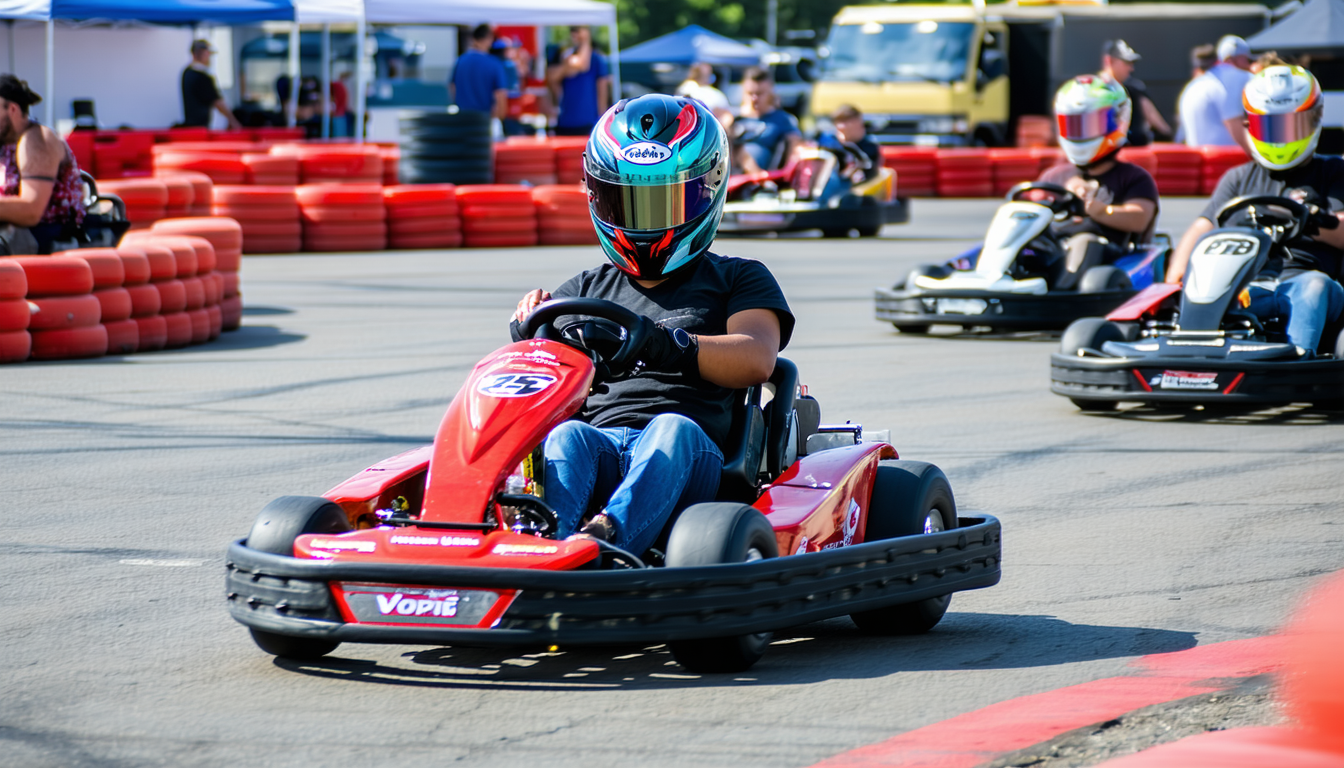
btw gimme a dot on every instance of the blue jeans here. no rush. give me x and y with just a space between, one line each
649 474
1306 300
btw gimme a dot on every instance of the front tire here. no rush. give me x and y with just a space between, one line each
909 498
1104 279
712 534
1089 333
277 526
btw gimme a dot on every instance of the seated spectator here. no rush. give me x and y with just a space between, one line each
699 85
765 136
41 197
860 157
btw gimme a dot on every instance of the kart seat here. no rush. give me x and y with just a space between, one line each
758 440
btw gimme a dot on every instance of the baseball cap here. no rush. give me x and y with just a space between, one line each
1119 49
1231 45
201 45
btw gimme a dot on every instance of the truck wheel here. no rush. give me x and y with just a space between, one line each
909 498
711 534
1104 279
277 526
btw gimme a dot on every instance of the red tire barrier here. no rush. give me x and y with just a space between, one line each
162 261
123 337
55 275
262 244
134 265
223 233
417 194
336 163
221 168
202 187
1142 157
105 264
498 225
344 243
184 254
424 226
145 300
216 321
964 173
15 314
232 312
153 333
228 260
576 223
172 296
69 343
916 170
194 290
114 304
324 214
333 229
200 325
246 214
1011 167
181 192
1216 162
1314 686
282 169
139 194
567 237
179 329
15 346
13 280
264 229
263 195
1178 169
426 241
516 240
423 210
56 312
339 194
229 284
506 195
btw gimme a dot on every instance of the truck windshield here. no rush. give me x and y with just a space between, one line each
875 53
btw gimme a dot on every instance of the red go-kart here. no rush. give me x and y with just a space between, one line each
454 544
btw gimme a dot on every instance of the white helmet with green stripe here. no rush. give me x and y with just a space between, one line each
1283 116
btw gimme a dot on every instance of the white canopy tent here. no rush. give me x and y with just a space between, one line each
509 12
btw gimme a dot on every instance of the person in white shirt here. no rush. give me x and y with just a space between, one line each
699 86
1210 106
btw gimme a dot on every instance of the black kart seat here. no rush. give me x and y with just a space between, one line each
758 433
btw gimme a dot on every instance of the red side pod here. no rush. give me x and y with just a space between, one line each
1144 301
510 402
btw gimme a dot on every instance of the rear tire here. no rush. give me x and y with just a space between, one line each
711 534
870 231
1089 333
909 498
835 232
277 526
915 330
1104 279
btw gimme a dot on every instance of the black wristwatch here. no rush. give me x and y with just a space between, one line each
689 344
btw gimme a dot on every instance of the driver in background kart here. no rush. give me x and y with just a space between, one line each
648 445
1283 120
861 158
1120 198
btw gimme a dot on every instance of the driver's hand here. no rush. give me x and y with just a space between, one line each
530 301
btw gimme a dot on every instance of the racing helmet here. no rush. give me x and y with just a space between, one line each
1093 115
656 169
1283 116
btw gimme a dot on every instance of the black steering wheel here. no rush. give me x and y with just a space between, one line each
1062 202
1296 221
541 324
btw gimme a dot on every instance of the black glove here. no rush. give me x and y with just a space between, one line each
1318 220
668 350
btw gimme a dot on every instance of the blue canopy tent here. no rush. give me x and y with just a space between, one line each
186 12
690 45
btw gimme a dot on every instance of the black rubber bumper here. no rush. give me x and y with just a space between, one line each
739 220
1050 311
290 596
1116 379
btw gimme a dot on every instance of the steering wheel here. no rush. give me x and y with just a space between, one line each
1300 214
541 324
1062 202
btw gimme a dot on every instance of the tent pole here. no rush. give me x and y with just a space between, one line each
326 81
51 74
615 59
359 94
291 118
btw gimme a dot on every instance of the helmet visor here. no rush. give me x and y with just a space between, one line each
1088 125
1283 129
649 207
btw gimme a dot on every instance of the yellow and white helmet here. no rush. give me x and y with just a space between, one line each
1283 116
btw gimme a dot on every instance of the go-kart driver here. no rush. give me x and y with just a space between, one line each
1283 119
647 445
1120 198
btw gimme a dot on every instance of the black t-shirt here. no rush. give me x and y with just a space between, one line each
199 95
1323 177
1140 135
701 300
1118 185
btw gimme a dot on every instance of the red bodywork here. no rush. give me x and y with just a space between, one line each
508 404
1144 302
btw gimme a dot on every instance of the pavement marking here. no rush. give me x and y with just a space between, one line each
163 563
977 737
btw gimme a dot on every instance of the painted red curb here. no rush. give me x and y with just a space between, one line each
976 737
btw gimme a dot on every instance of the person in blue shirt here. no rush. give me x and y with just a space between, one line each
479 83
765 136
583 83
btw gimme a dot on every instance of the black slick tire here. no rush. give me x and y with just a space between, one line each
712 534
277 526
1089 333
1103 279
909 498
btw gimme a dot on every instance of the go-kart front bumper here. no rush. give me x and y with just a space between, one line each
1194 381
967 308
291 596
772 216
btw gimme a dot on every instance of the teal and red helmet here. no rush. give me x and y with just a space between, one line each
656 169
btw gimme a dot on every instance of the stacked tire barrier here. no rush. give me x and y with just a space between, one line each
422 216
1178 169
1012 166
1142 157
568 158
226 238
342 217
203 190
268 217
1048 157
963 173
497 216
151 332
446 148
271 170
335 163
222 163
525 162
562 216
1217 161
114 299
146 199
916 170
15 341
391 164
66 316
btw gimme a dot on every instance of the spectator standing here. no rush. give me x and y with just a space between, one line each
503 50
41 197
765 136
583 82
1117 65
699 85
340 106
199 92
479 82
1210 106
1202 59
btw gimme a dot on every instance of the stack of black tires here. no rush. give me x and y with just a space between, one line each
446 148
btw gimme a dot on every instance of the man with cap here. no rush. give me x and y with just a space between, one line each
1117 64
41 197
1210 106
199 92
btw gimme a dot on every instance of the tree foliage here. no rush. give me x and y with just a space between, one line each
640 20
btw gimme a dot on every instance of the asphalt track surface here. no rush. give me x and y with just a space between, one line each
124 479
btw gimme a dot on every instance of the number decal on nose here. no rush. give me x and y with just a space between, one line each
514 384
